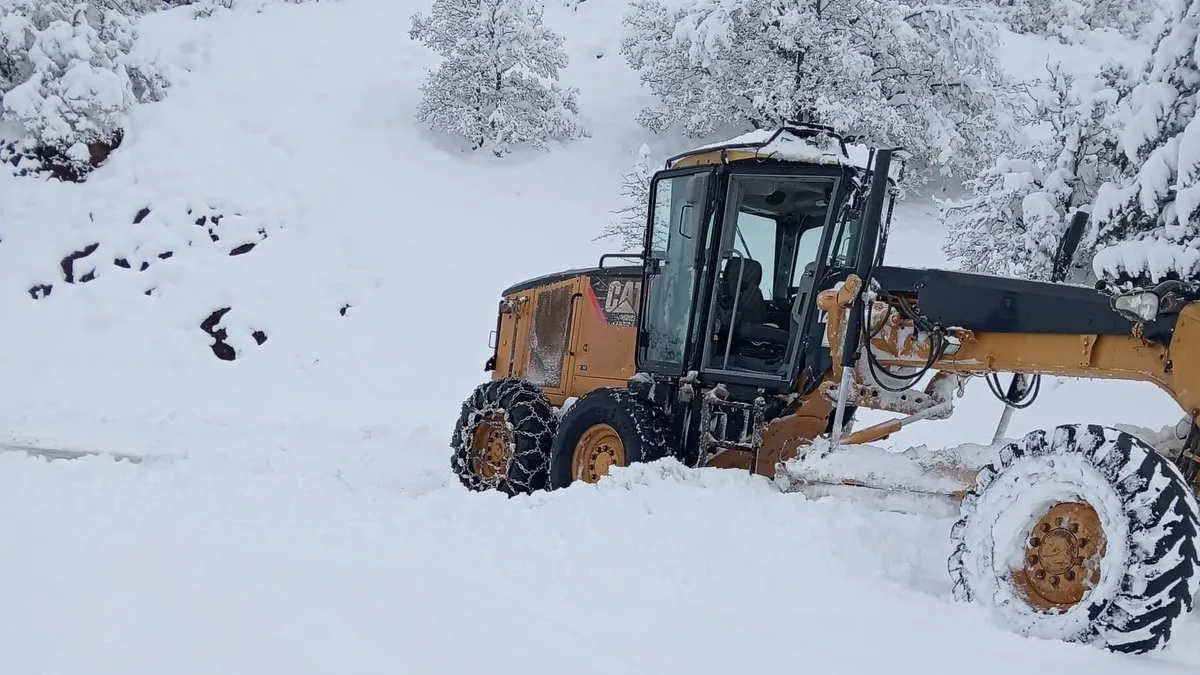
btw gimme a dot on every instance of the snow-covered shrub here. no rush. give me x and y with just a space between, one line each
1064 19
206 8
139 7
1069 20
67 79
1146 219
923 75
630 226
1135 18
496 83
1022 205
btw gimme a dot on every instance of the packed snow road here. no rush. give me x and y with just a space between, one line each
203 566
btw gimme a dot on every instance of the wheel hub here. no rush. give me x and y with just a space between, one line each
1062 557
598 449
491 447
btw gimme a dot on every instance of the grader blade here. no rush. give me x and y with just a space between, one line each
917 479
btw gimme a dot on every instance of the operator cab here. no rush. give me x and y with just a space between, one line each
739 242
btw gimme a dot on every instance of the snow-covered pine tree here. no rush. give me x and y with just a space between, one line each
67 79
922 74
1022 206
496 83
1145 221
630 226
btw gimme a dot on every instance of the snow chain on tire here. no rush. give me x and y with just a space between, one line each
644 429
528 415
1150 572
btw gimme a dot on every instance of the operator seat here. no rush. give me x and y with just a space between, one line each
751 307
748 321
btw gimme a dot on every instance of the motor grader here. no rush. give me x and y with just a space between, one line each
758 318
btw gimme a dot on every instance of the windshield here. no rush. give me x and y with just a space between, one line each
772 238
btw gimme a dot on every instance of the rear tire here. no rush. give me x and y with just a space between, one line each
502 438
607 427
1086 535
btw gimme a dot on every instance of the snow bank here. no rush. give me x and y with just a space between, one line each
280 571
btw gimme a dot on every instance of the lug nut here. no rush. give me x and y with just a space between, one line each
1083 542
1040 574
1053 581
1033 560
1070 575
1074 527
1059 521
1045 527
1035 542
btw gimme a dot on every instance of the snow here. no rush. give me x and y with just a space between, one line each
1153 257
306 573
790 147
293 510
919 479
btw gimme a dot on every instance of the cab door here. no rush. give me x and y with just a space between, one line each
676 261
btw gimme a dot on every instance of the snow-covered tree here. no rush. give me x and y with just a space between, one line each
922 75
986 233
1146 220
67 78
1021 207
630 226
496 84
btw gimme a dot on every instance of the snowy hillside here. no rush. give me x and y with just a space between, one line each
294 511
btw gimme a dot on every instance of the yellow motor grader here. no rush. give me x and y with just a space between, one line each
758 318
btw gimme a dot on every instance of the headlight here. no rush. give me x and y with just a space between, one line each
1135 306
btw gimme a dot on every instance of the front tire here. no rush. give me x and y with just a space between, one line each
502 438
1086 535
607 427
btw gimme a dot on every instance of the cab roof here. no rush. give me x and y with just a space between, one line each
798 144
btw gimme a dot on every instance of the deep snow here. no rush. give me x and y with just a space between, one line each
296 514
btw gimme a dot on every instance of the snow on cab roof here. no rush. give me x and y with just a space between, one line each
805 144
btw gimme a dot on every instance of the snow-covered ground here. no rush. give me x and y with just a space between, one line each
295 512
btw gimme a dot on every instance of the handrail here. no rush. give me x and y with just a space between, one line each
627 256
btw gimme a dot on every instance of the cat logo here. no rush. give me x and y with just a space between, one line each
616 299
